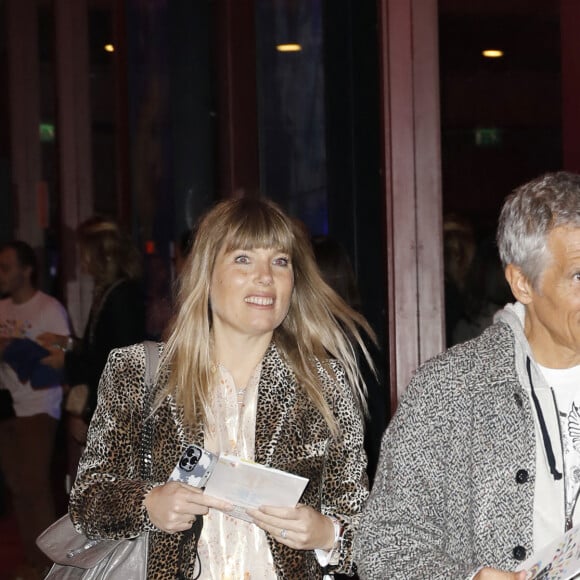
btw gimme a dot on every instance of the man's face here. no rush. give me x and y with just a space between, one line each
553 311
13 277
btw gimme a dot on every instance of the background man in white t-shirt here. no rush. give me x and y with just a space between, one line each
27 439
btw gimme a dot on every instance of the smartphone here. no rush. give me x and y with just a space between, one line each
194 467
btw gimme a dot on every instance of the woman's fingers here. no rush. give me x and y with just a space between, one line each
174 506
301 527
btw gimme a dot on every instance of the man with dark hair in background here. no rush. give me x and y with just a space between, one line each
27 438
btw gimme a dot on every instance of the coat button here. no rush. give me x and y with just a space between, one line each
522 476
518 399
519 553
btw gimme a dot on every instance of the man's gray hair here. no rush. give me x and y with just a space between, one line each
530 213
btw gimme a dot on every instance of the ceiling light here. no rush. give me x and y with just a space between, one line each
288 47
492 53
109 48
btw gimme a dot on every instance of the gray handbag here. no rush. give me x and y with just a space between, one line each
76 556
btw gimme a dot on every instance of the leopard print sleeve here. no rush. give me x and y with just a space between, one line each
107 497
344 479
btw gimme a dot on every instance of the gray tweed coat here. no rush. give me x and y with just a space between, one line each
454 489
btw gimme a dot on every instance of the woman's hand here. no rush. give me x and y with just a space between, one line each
174 506
77 429
493 574
300 527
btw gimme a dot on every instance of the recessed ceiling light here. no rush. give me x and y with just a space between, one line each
288 47
492 53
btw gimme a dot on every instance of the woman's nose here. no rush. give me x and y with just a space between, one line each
264 274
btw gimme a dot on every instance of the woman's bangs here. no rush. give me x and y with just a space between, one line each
260 231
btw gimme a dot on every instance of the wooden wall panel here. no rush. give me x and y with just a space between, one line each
74 140
411 170
569 18
23 83
237 117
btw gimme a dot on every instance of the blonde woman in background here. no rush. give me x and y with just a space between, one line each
117 318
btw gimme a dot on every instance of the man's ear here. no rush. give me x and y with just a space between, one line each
28 273
520 285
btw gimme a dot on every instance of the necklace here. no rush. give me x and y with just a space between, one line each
240 393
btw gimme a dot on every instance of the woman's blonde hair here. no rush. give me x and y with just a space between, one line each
318 325
108 252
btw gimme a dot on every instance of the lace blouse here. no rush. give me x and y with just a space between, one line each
230 548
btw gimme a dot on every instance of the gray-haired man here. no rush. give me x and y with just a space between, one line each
480 466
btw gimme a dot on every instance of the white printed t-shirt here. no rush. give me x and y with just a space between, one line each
565 384
42 313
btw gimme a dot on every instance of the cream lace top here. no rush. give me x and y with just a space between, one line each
230 548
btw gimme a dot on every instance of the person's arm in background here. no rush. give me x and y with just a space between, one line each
55 334
121 322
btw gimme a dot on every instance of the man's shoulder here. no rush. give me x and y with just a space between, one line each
497 339
45 298
49 305
478 369
487 357
124 288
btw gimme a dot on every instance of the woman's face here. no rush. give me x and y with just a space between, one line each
250 291
85 259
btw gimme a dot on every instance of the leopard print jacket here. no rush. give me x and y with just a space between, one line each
107 497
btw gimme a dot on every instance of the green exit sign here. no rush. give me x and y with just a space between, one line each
46 131
488 136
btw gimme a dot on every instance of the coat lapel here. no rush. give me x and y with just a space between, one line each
276 399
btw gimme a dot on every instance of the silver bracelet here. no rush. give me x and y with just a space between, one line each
70 343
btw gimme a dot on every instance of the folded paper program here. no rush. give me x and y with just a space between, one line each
24 356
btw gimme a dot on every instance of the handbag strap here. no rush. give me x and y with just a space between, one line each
151 364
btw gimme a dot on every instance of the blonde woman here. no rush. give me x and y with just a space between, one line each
117 318
259 365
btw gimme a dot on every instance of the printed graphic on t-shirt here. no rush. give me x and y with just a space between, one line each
570 423
574 426
11 328
565 386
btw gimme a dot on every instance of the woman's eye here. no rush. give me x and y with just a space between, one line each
243 259
282 261
577 276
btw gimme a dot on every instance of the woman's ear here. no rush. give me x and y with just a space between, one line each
520 285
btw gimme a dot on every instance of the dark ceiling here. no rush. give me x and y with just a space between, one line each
517 97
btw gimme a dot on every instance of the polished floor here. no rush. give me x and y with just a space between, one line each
10 549
11 555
